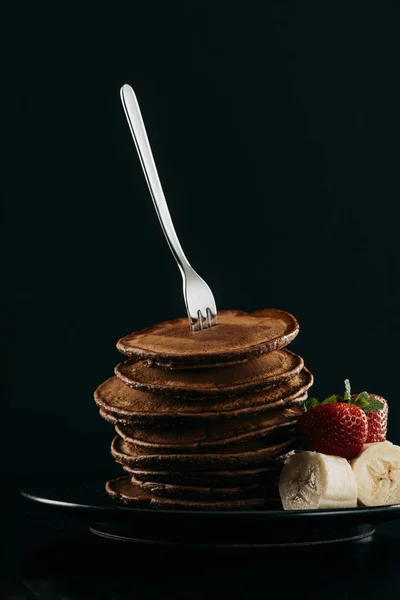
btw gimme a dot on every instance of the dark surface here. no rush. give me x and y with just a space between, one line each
49 557
279 123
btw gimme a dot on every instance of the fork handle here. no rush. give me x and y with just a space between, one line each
138 130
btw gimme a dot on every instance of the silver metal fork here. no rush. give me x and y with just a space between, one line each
199 300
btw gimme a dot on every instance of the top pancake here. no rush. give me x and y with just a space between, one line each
237 336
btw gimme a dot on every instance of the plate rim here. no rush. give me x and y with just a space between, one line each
274 513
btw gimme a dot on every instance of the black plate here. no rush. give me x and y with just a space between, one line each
86 500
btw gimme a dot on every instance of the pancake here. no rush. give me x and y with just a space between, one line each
239 504
237 336
203 493
212 436
109 417
254 374
127 492
241 456
131 406
215 505
234 477
262 436
123 489
241 443
175 420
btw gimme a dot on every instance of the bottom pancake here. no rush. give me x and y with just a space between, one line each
197 492
127 492
123 489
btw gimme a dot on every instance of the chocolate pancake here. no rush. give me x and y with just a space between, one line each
203 493
251 441
241 456
237 336
124 490
239 504
129 406
254 374
212 436
111 418
108 416
235 477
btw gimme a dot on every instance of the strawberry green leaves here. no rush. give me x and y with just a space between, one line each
367 402
310 403
364 401
331 399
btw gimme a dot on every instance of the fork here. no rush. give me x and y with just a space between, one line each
199 300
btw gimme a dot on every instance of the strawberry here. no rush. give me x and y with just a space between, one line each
337 428
341 425
377 421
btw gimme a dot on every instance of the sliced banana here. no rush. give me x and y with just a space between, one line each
312 480
377 473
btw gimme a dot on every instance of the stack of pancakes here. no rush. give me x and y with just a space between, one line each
205 419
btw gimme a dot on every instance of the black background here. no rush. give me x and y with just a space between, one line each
276 133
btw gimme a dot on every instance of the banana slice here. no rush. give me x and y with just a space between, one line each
377 473
313 480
